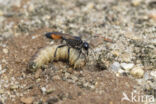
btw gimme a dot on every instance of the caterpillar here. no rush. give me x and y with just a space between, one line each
49 54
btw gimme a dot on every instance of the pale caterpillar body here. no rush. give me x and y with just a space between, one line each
46 55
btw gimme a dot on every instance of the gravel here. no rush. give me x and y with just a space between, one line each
121 36
127 66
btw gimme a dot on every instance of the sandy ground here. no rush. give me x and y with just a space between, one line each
122 37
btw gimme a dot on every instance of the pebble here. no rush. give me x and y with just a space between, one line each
1 91
137 72
52 100
153 74
3 71
56 77
38 80
27 100
5 50
38 72
31 8
136 2
115 53
92 87
147 76
127 66
1 13
120 71
151 3
126 57
50 90
4 61
115 66
74 78
140 81
88 7
62 95
7 34
153 16
33 37
0 67
67 75
43 89
13 87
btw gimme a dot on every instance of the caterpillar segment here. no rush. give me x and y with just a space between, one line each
49 54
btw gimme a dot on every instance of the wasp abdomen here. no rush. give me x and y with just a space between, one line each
53 35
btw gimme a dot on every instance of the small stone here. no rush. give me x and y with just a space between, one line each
1 13
27 100
115 53
115 66
70 70
38 80
86 84
67 75
126 57
7 34
136 2
147 76
38 72
0 67
92 87
3 71
120 71
5 50
51 90
137 72
127 66
43 89
4 61
74 78
153 16
117 75
56 77
33 37
151 3
31 7
62 95
52 100
1 91
90 5
13 87
47 17
153 74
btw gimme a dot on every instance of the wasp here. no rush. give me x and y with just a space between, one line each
71 41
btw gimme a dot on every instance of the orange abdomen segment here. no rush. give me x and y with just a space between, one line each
56 37
53 35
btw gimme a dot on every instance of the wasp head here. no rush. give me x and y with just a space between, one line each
86 46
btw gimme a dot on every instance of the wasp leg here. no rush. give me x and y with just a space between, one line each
78 56
84 55
68 52
57 48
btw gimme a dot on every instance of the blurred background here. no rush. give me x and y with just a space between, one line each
122 35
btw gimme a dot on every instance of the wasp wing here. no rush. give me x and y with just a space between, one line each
58 35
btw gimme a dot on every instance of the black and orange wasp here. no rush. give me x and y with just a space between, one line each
71 41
